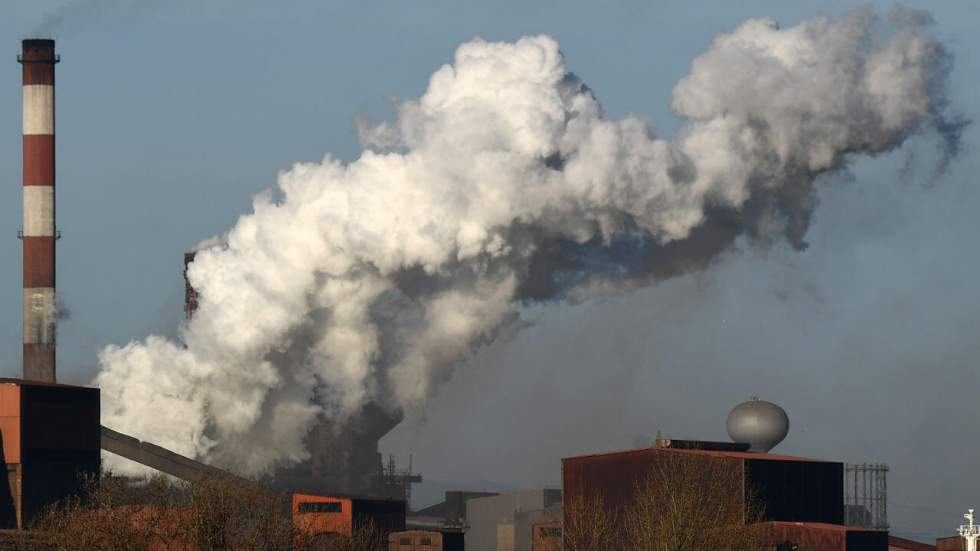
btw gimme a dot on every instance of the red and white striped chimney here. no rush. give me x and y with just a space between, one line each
39 234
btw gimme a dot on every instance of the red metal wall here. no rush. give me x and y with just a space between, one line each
386 515
952 543
318 523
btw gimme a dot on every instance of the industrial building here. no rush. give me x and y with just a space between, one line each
447 516
790 501
493 521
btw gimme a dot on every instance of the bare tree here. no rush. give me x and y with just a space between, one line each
686 502
693 503
160 514
589 524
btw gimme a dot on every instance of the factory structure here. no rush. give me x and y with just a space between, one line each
52 434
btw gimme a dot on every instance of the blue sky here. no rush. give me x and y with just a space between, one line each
172 114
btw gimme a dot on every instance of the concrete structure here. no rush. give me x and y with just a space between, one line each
447 518
492 520
50 436
39 233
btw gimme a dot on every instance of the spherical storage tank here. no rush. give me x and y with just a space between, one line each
758 423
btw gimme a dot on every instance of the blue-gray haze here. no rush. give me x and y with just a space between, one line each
171 115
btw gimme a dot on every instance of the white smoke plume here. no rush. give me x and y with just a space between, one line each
370 281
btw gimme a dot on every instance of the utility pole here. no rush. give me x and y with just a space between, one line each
970 532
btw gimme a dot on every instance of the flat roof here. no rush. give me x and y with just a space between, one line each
821 526
755 456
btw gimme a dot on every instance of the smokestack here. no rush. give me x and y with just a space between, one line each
39 234
190 293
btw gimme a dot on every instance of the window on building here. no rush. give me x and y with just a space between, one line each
405 541
550 532
320 507
425 541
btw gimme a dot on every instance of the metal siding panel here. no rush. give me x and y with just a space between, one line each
60 419
799 491
388 515
10 422
60 443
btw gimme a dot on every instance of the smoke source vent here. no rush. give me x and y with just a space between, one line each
40 316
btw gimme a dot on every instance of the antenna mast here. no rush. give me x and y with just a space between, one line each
970 532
